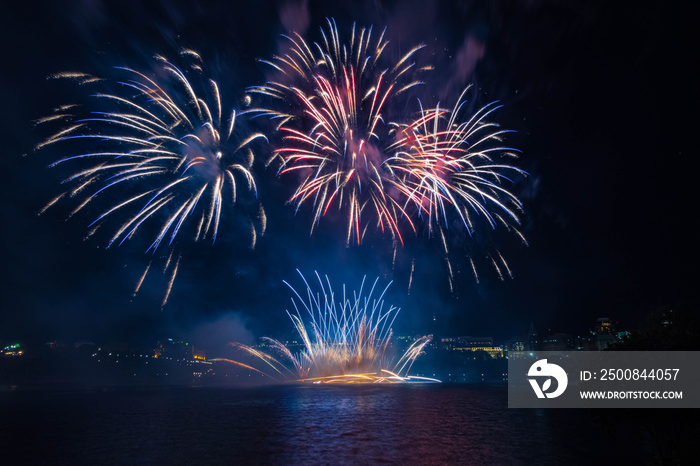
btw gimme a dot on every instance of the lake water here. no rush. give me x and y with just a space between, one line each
301 424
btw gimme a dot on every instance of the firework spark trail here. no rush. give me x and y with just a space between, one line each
345 340
156 151
335 132
240 364
170 283
140 282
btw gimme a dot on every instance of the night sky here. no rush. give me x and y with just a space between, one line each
603 102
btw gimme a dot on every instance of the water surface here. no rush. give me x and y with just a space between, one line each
370 424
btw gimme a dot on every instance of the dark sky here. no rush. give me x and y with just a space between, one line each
603 101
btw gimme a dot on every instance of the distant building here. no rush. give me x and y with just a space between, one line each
516 344
603 326
178 350
533 339
603 334
11 349
557 342
470 343
292 345
582 343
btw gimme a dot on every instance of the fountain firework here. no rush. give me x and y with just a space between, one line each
344 341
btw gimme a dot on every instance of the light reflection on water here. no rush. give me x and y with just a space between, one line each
419 424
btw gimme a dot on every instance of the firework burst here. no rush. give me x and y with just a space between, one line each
353 152
155 153
447 167
343 341
338 126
